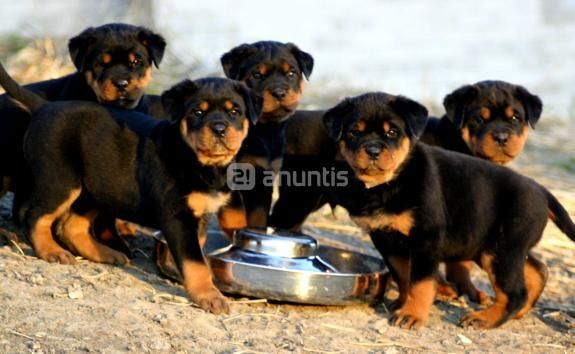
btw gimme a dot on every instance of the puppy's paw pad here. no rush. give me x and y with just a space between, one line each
406 320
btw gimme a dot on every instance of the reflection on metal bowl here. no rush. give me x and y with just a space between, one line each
293 267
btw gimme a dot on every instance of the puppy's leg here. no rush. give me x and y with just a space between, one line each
505 274
535 273
185 235
233 216
76 235
417 299
399 269
258 201
459 273
54 204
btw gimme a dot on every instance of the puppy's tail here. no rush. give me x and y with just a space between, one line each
559 215
26 98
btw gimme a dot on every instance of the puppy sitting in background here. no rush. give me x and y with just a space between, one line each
489 120
276 71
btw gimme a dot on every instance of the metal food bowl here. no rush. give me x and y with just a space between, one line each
293 267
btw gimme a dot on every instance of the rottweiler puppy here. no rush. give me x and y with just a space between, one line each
113 65
167 175
489 120
423 205
276 71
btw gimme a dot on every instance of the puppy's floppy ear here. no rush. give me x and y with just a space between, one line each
155 44
78 47
253 101
333 119
456 102
232 60
304 60
173 99
415 115
531 103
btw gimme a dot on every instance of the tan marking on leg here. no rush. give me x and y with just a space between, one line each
535 274
258 217
415 311
231 219
76 235
201 289
41 236
489 317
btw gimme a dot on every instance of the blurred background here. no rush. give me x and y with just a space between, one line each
419 48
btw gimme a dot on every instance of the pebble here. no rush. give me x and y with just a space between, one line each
36 279
75 293
464 340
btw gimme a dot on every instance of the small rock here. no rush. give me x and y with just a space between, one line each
160 345
161 319
75 293
464 340
36 279
33 345
40 335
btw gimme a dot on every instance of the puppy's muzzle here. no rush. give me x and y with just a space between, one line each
219 128
500 137
373 150
279 93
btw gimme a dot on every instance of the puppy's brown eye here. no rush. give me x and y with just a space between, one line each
514 118
136 62
392 133
353 133
234 112
198 113
291 75
479 120
257 76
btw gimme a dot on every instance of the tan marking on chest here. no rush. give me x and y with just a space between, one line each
206 203
402 222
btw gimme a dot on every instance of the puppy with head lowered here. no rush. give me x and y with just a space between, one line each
488 120
168 175
276 71
424 205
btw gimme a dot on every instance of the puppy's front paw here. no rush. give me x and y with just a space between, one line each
406 319
212 300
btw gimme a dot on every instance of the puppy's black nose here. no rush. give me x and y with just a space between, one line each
219 128
279 93
501 138
373 150
121 84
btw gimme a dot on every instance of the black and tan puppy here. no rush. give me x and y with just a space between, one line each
489 120
168 175
424 205
113 65
276 71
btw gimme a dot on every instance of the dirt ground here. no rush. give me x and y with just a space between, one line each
50 308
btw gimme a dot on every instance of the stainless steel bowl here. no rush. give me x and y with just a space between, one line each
293 267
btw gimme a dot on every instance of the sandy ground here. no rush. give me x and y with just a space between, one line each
50 308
